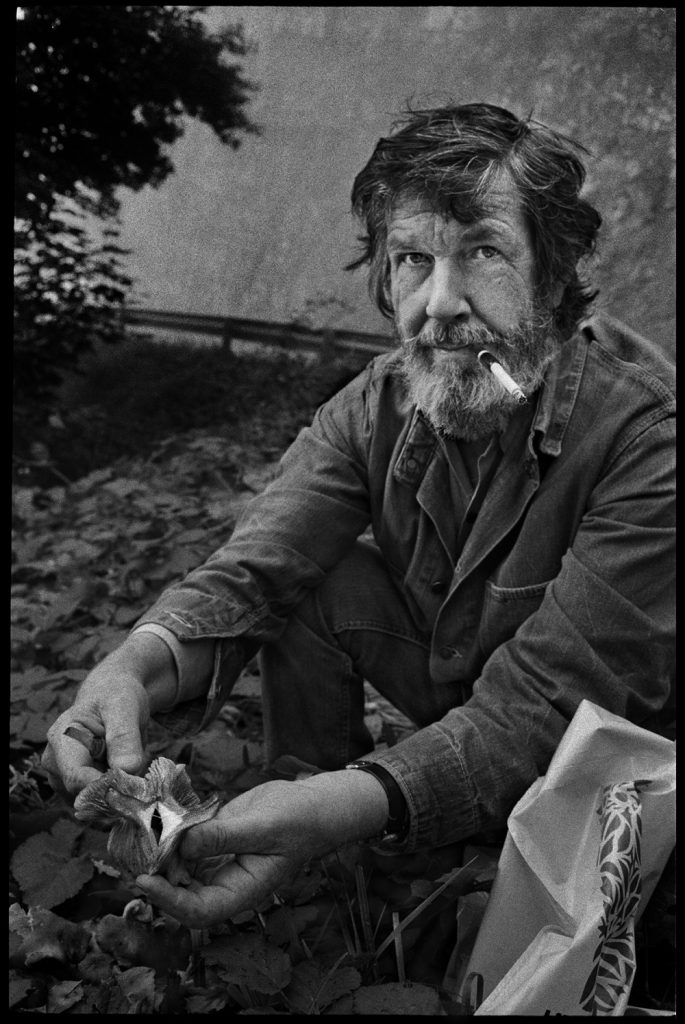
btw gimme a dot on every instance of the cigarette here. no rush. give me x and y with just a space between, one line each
498 371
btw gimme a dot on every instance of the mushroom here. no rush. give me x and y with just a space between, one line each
149 815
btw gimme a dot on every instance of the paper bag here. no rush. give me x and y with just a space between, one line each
584 850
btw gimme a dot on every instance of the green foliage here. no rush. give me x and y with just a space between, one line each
100 94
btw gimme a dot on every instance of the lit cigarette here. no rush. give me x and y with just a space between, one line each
498 371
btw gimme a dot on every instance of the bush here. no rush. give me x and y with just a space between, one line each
122 400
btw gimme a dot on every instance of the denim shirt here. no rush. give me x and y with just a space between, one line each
561 589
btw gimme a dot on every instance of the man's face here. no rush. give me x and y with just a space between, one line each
456 289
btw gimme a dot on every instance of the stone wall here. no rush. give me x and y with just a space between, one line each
265 231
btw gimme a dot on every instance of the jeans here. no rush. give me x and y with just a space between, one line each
355 626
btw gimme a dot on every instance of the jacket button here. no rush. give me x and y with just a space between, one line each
448 652
438 586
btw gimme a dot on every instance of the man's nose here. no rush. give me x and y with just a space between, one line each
447 299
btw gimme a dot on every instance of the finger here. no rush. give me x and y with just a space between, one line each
95 745
228 834
125 746
68 763
196 908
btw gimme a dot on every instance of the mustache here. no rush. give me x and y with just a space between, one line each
533 335
458 336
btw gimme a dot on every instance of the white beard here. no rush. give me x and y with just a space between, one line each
464 400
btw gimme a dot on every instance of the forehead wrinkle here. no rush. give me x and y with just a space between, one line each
431 228
500 204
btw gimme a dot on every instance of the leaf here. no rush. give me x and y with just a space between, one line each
47 936
66 604
64 994
123 487
303 887
391 998
287 922
249 960
314 987
42 700
74 550
191 537
21 683
19 988
207 1002
178 563
45 868
35 726
137 984
18 725
19 921
94 479
126 616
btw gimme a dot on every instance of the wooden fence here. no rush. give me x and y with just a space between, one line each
283 335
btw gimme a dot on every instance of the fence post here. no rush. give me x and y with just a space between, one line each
226 336
328 349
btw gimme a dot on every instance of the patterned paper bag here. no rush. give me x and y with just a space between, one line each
584 850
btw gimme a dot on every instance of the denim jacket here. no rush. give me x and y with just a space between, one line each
563 589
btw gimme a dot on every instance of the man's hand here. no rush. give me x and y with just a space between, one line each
114 703
272 831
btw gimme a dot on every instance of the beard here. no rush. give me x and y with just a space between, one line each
463 399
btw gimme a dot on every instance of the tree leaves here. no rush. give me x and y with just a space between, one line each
100 92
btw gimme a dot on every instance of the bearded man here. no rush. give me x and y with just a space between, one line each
485 564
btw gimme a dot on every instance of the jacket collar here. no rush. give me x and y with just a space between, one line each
559 392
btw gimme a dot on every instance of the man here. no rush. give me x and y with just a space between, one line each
522 554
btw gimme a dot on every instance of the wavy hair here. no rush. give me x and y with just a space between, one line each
450 156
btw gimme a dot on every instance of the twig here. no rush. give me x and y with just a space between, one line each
43 465
329 974
364 913
399 951
422 906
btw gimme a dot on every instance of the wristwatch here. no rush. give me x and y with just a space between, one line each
398 816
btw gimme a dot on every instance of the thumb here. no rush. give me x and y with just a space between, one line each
125 748
216 838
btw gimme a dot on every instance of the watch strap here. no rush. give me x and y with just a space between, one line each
398 814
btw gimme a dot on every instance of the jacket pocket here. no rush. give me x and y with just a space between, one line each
505 609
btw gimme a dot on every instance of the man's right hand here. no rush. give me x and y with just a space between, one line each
113 703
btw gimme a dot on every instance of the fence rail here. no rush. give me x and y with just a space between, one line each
283 335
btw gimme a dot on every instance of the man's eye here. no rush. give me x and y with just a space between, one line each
412 259
486 252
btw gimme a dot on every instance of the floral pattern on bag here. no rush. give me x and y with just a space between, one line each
619 861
